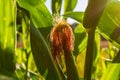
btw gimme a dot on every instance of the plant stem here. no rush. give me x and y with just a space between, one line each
89 55
72 73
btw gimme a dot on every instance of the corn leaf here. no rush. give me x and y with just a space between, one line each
109 24
111 31
112 72
93 13
56 6
69 5
42 55
6 75
75 15
71 70
80 39
117 58
7 35
96 55
39 14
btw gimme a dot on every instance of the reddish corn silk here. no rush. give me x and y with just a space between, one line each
62 38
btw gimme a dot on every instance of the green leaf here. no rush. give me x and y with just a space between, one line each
6 75
69 5
71 69
42 55
56 6
34 76
44 0
96 47
80 39
112 72
93 13
39 13
45 33
117 58
7 35
96 55
109 24
75 15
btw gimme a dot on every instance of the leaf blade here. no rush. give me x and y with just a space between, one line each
78 16
7 35
43 54
111 15
56 6
38 12
69 5
112 72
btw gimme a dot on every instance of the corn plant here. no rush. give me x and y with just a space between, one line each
41 45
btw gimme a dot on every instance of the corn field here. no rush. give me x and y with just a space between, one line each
39 44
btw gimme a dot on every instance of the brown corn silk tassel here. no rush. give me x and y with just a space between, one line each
62 38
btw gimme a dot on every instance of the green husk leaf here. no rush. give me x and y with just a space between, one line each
42 55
